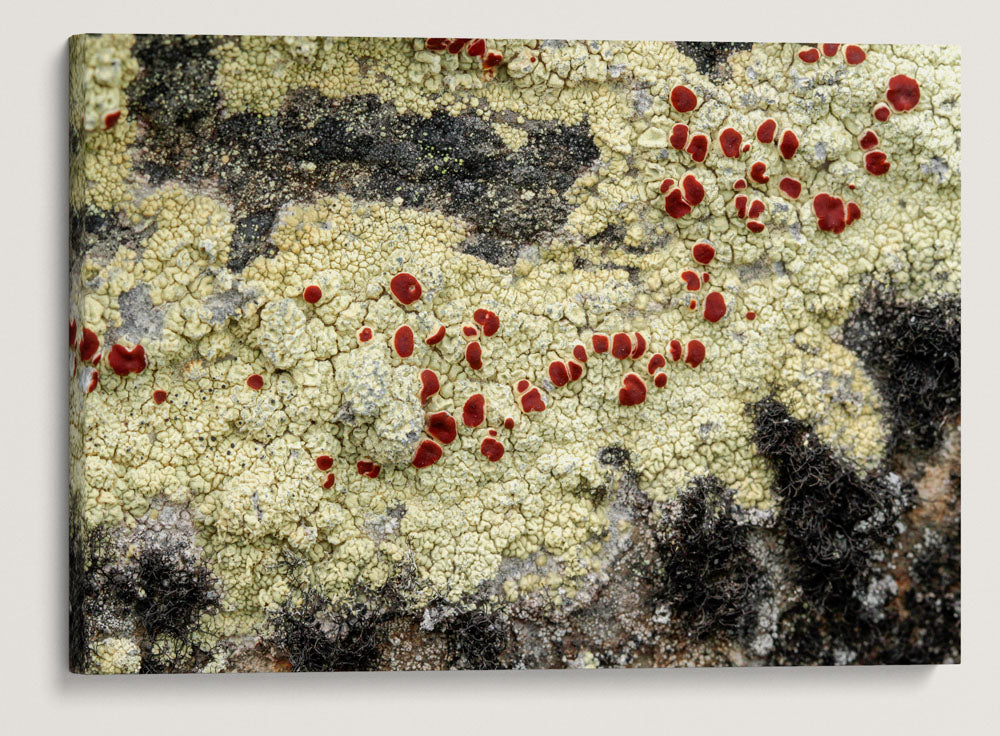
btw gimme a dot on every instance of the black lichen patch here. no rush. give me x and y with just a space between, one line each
157 593
708 574
358 145
710 57
615 456
913 351
316 636
477 640
93 229
837 525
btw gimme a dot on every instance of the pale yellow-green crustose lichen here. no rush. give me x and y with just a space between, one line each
244 460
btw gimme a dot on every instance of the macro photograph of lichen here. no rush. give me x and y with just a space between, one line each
512 354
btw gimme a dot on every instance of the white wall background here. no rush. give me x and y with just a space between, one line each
38 695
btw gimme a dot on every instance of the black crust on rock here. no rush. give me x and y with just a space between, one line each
841 531
316 637
913 350
358 145
710 57
477 640
160 590
709 576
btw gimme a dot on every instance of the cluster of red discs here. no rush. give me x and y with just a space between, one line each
122 360
474 47
853 54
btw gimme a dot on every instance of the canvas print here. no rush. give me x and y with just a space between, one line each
474 353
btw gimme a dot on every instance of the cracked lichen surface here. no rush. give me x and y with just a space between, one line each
242 461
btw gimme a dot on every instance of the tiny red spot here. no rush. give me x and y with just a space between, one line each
575 370
491 449
509 423
705 277
660 379
683 99
656 361
532 401
810 55
695 353
766 131
600 343
830 49
428 452
675 205
703 253
365 334
522 386
72 333
580 353
477 47
488 320
437 44
470 331
679 136
789 144
741 205
88 344
758 172
903 93
123 361
621 345
402 341
730 140
456 45
854 55
881 112
437 337
474 355
633 390
675 350
159 396
324 462
368 468
868 140
790 187
492 59
756 208
558 373
255 381
876 163
640 346
829 212
405 288
441 426
312 294
715 307
853 212
94 375
474 410
429 384
693 304
698 147
111 118
740 184
692 280
694 192
755 227
751 316
328 483
665 185
746 147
